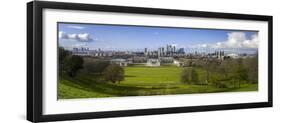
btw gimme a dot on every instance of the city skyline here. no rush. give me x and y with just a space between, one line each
136 38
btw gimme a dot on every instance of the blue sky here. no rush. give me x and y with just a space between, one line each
121 37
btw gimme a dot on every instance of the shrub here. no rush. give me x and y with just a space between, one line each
114 73
194 76
185 76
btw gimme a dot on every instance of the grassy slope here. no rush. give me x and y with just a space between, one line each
139 80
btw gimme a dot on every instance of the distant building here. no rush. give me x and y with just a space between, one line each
233 55
81 51
121 62
145 52
153 62
166 59
178 63
220 55
168 51
181 51
138 59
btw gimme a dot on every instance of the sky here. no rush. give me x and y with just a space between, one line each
136 38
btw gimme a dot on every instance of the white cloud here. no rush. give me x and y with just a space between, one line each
76 27
235 40
62 35
204 45
253 43
174 45
82 37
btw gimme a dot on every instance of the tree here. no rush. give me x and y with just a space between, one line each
68 63
225 68
241 72
209 65
62 56
114 73
252 67
95 66
72 64
185 77
194 76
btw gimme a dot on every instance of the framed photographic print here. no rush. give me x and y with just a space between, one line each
96 61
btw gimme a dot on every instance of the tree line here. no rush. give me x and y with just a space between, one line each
223 73
70 65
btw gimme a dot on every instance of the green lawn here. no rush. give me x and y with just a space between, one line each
139 81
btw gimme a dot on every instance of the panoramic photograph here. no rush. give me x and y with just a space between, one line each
104 60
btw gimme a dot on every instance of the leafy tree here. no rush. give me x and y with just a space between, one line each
89 67
210 66
252 67
68 63
114 73
254 72
225 68
185 77
62 56
194 76
72 64
95 66
241 72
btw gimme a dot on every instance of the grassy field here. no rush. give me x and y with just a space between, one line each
139 81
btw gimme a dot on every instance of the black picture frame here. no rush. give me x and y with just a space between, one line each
35 69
